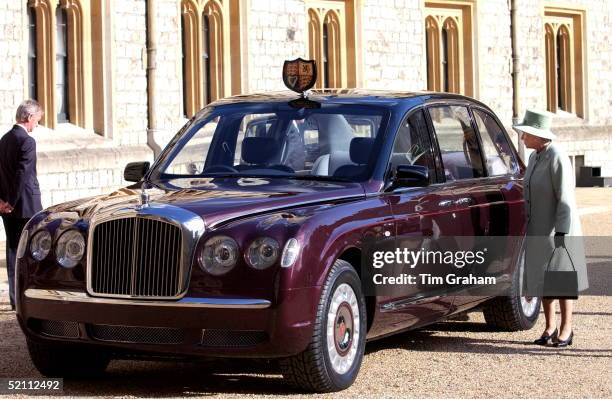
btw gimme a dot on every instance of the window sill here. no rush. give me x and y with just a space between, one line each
562 118
67 136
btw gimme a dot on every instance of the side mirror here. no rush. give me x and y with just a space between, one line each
135 171
410 176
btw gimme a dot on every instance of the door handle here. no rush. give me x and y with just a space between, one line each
464 201
445 203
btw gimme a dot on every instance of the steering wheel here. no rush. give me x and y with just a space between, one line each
219 169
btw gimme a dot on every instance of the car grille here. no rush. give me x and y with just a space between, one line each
231 338
136 335
53 328
136 257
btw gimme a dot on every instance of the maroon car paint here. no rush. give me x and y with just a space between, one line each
329 219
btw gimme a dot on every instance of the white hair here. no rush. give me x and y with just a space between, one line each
27 109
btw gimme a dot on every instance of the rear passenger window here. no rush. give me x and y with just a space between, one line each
499 157
457 141
412 145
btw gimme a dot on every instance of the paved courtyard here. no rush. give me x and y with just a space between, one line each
449 359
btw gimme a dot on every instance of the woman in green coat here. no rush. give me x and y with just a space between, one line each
551 212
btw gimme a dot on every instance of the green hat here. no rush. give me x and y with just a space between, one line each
537 123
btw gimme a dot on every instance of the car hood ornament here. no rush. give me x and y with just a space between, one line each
144 197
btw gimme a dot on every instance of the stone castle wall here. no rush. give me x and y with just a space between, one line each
74 163
393 37
276 32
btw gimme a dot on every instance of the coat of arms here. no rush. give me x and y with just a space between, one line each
299 75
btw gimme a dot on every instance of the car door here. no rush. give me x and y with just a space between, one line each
480 204
420 214
506 214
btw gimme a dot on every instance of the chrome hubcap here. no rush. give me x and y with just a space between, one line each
529 305
343 328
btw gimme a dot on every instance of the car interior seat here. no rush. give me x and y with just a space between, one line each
360 150
261 153
335 135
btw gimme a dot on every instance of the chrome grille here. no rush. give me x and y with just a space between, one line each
136 257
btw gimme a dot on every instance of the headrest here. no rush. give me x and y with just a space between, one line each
360 149
258 150
335 132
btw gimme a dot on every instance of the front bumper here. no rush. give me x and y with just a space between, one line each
192 326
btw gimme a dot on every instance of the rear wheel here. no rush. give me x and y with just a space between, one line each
333 358
513 312
67 360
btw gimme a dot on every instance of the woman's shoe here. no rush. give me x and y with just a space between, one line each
546 339
561 343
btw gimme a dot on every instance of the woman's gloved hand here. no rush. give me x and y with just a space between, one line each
559 240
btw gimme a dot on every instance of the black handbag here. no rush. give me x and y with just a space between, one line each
561 284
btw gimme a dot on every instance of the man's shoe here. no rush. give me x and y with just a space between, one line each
546 339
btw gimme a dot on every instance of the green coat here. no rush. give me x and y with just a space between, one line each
550 207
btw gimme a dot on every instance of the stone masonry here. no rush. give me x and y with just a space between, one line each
73 162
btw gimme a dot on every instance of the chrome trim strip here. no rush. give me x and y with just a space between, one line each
189 302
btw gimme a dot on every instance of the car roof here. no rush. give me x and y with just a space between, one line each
382 98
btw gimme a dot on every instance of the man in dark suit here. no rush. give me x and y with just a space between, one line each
19 190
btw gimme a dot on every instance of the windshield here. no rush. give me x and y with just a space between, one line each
272 140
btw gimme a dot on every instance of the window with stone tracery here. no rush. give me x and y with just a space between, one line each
210 52
59 69
331 41
564 60
448 47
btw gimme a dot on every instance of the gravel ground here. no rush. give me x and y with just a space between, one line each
462 359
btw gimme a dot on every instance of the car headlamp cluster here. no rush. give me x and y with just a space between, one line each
69 249
290 252
220 254
40 246
262 253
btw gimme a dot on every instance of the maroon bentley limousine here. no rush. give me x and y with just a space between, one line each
245 237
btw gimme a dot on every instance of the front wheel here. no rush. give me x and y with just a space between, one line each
333 358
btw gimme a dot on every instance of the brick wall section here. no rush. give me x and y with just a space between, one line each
494 56
72 174
130 81
271 22
393 31
530 28
13 65
169 102
599 61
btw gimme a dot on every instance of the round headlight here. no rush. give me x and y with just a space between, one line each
70 248
290 252
40 245
219 255
262 252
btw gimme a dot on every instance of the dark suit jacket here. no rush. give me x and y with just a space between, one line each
18 183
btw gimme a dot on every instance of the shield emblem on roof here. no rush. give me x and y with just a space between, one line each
299 75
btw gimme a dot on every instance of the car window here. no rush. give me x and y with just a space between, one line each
334 143
190 161
458 142
412 145
499 157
